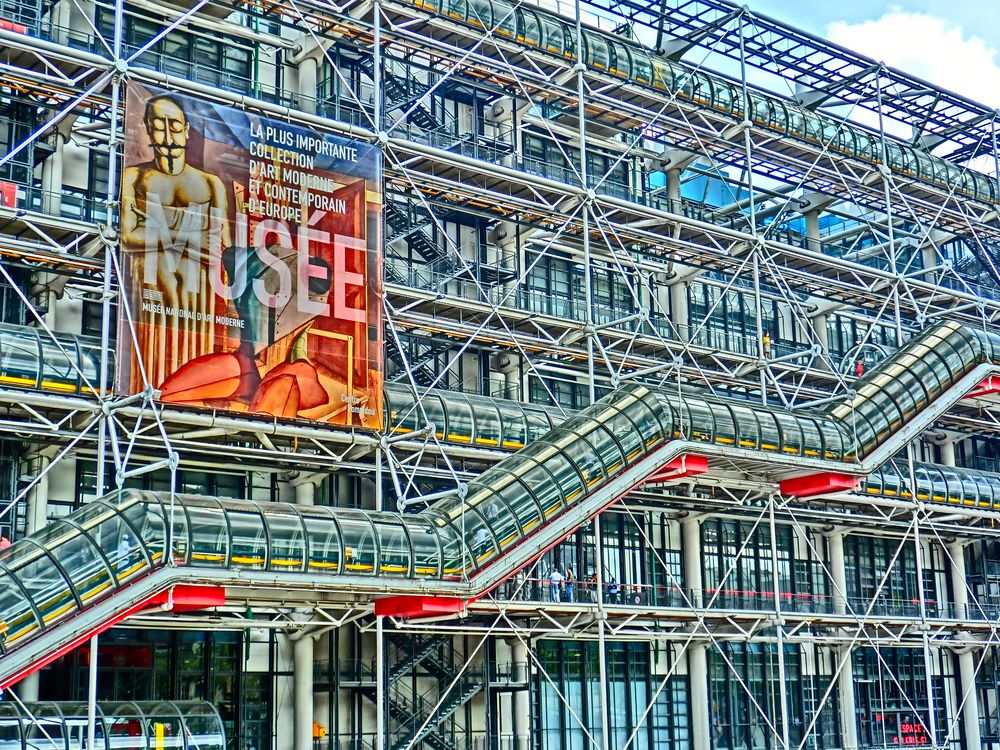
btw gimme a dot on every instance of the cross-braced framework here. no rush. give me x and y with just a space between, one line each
788 248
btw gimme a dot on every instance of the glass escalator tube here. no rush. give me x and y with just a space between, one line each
76 561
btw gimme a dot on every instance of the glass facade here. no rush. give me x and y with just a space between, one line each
741 573
568 708
896 701
756 703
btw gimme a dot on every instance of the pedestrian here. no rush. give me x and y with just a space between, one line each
555 582
592 585
481 541
570 583
859 368
766 341
124 547
613 590
4 542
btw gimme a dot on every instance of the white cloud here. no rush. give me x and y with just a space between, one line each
933 48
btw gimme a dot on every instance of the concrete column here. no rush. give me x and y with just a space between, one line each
305 493
38 496
308 85
848 710
845 681
812 230
697 653
967 657
838 571
512 384
960 592
302 658
52 177
691 547
521 700
701 726
928 255
674 191
27 689
948 453
679 308
967 692
821 332
61 20
302 689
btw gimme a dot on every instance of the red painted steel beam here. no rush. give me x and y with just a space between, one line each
817 484
409 606
988 387
687 465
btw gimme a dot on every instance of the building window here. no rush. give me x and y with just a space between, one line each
564 723
197 55
890 686
739 570
189 481
886 570
746 699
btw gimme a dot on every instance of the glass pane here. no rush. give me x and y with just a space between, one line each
209 535
47 588
86 567
203 728
287 539
521 502
401 408
359 541
249 540
324 540
424 541
17 621
394 547
500 518
487 422
19 358
459 418
58 373
514 425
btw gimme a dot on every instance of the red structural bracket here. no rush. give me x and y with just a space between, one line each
409 606
817 484
8 194
189 598
687 465
182 598
988 387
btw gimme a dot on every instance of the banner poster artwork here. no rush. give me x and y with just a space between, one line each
251 263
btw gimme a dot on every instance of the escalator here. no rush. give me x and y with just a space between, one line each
76 577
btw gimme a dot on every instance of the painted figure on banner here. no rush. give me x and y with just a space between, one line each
252 263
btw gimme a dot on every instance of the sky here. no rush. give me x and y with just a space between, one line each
951 43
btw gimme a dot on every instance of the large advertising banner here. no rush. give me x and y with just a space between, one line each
251 262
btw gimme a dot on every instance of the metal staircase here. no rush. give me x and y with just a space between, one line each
410 224
419 719
423 375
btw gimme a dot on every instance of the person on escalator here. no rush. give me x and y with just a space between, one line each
122 553
4 542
